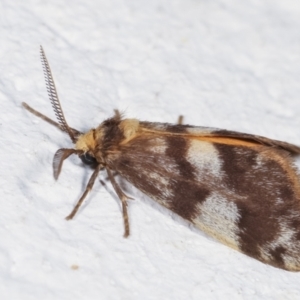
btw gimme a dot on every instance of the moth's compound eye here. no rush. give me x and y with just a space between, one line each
88 159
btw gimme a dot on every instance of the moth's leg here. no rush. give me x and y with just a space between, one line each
180 120
107 178
123 199
88 188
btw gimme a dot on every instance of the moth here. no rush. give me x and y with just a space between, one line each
241 189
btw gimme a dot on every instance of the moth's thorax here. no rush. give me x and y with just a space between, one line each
107 136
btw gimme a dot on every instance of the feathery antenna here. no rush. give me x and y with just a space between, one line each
52 93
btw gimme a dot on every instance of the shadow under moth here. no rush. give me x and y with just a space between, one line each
239 188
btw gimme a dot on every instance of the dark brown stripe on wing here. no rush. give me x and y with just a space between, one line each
187 192
186 197
177 148
257 227
236 164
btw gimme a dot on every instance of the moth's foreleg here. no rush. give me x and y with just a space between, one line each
123 199
88 188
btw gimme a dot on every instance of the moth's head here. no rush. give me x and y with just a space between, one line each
86 144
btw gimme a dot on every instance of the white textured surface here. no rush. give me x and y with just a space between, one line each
228 64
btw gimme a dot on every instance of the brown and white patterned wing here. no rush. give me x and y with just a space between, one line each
245 195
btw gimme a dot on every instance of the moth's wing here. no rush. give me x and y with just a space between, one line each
245 195
208 132
259 139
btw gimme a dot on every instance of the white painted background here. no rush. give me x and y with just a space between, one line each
228 64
